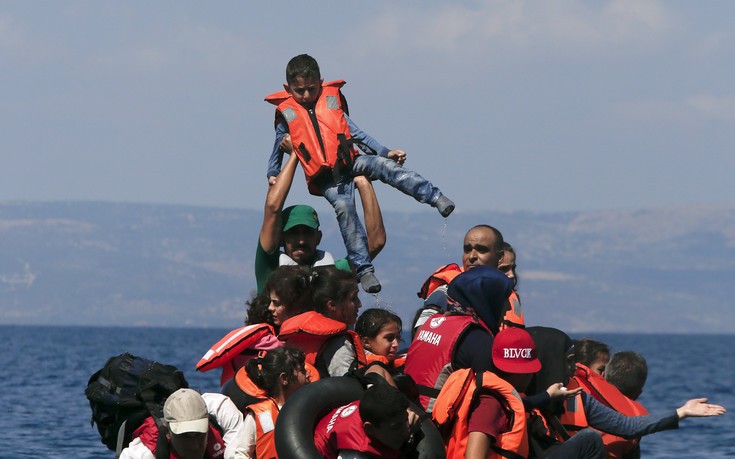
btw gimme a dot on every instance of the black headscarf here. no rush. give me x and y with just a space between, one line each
552 348
484 290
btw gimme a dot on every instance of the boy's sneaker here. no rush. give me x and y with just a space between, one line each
444 205
370 283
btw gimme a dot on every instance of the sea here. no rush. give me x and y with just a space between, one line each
45 371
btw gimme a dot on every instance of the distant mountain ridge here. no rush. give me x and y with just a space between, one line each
653 270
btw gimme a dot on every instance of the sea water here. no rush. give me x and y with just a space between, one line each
44 412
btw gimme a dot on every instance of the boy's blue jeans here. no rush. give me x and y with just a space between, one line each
341 195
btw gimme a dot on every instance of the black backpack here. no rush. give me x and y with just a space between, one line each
125 392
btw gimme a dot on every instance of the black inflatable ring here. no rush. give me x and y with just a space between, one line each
297 420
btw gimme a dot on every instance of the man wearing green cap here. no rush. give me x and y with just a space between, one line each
296 228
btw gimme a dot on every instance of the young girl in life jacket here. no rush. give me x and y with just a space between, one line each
380 334
279 373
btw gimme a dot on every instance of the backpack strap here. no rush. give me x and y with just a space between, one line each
162 449
120 439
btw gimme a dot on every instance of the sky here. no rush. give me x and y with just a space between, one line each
505 105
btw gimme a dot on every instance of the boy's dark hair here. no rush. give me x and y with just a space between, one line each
372 320
628 372
382 403
587 350
303 66
330 283
291 285
264 371
257 312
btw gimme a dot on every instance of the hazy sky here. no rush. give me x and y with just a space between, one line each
514 105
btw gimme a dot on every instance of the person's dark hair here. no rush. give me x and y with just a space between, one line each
507 248
303 66
382 403
265 371
330 283
628 371
587 350
498 236
372 320
291 285
257 310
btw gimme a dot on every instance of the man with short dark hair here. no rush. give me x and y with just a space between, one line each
628 371
482 246
296 228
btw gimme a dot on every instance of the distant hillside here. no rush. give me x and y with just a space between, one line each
656 270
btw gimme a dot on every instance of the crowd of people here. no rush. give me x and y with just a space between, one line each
492 385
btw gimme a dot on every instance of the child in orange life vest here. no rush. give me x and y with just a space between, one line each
593 354
322 135
376 426
279 373
380 333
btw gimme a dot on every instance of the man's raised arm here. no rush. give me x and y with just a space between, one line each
270 231
372 215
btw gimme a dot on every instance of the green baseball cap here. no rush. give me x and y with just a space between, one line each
299 215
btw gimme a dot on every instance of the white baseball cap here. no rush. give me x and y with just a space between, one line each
185 411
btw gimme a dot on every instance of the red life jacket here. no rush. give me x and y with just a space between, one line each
512 315
265 414
329 113
430 356
231 352
610 396
310 331
148 433
342 430
452 409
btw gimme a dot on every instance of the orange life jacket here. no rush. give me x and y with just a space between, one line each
247 385
442 276
310 331
225 353
610 396
318 154
265 414
452 408
574 419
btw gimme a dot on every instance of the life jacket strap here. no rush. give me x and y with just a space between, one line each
427 391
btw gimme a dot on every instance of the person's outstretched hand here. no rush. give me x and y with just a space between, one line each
698 407
557 390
